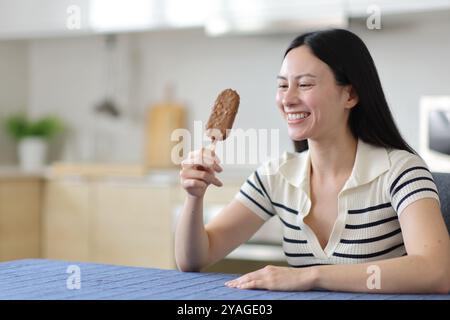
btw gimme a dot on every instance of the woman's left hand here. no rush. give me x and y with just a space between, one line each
275 278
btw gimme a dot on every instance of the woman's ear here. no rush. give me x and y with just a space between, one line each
352 97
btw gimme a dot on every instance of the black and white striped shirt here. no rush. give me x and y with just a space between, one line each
382 184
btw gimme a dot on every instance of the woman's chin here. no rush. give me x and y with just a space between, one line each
297 136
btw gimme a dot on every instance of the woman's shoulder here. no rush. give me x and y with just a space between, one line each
288 164
403 159
404 165
409 179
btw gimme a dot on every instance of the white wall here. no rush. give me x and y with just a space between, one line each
413 59
13 90
67 76
201 67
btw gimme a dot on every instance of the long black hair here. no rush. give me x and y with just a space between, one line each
348 57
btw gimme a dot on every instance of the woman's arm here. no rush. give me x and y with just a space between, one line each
426 268
191 239
198 246
409 274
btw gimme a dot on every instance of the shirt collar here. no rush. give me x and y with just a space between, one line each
370 162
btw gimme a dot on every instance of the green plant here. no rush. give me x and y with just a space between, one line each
19 126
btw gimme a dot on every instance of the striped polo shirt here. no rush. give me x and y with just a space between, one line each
382 184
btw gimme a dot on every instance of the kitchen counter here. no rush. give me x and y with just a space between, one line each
136 173
20 213
15 172
119 172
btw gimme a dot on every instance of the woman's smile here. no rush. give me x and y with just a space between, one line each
297 117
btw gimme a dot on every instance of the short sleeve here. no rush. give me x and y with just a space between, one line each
411 180
254 194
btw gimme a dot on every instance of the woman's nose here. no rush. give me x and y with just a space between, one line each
290 97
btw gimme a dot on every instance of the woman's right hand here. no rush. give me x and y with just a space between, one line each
198 172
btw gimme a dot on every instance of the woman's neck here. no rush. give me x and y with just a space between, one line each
333 158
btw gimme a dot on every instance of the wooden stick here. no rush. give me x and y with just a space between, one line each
212 146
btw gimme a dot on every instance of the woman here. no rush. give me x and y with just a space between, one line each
355 200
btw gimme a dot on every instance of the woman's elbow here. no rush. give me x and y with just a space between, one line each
443 287
184 266
441 280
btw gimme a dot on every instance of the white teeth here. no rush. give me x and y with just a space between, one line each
295 116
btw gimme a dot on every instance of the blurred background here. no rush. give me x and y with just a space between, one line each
91 90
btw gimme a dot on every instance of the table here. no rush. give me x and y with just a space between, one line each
48 280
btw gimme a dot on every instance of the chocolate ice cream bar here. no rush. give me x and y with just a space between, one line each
222 115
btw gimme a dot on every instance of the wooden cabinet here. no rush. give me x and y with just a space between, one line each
123 220
132 225
20 206
66 219
116 221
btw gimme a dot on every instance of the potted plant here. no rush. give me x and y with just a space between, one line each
32 136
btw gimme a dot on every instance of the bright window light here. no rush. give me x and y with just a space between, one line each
119 15
187 13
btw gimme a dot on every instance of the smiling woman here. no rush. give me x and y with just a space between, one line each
354 197
347 63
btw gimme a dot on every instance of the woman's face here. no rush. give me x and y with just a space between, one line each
312 103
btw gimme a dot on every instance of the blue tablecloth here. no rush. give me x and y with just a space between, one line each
47 279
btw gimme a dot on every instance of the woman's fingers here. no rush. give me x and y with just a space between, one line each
193 183
201 165
205 176
206 163
204 155
198 171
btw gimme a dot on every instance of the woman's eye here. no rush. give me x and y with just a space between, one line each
282 86
305 85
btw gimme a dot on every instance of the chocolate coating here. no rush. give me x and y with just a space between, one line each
223 114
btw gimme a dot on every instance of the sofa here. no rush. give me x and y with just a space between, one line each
442 181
